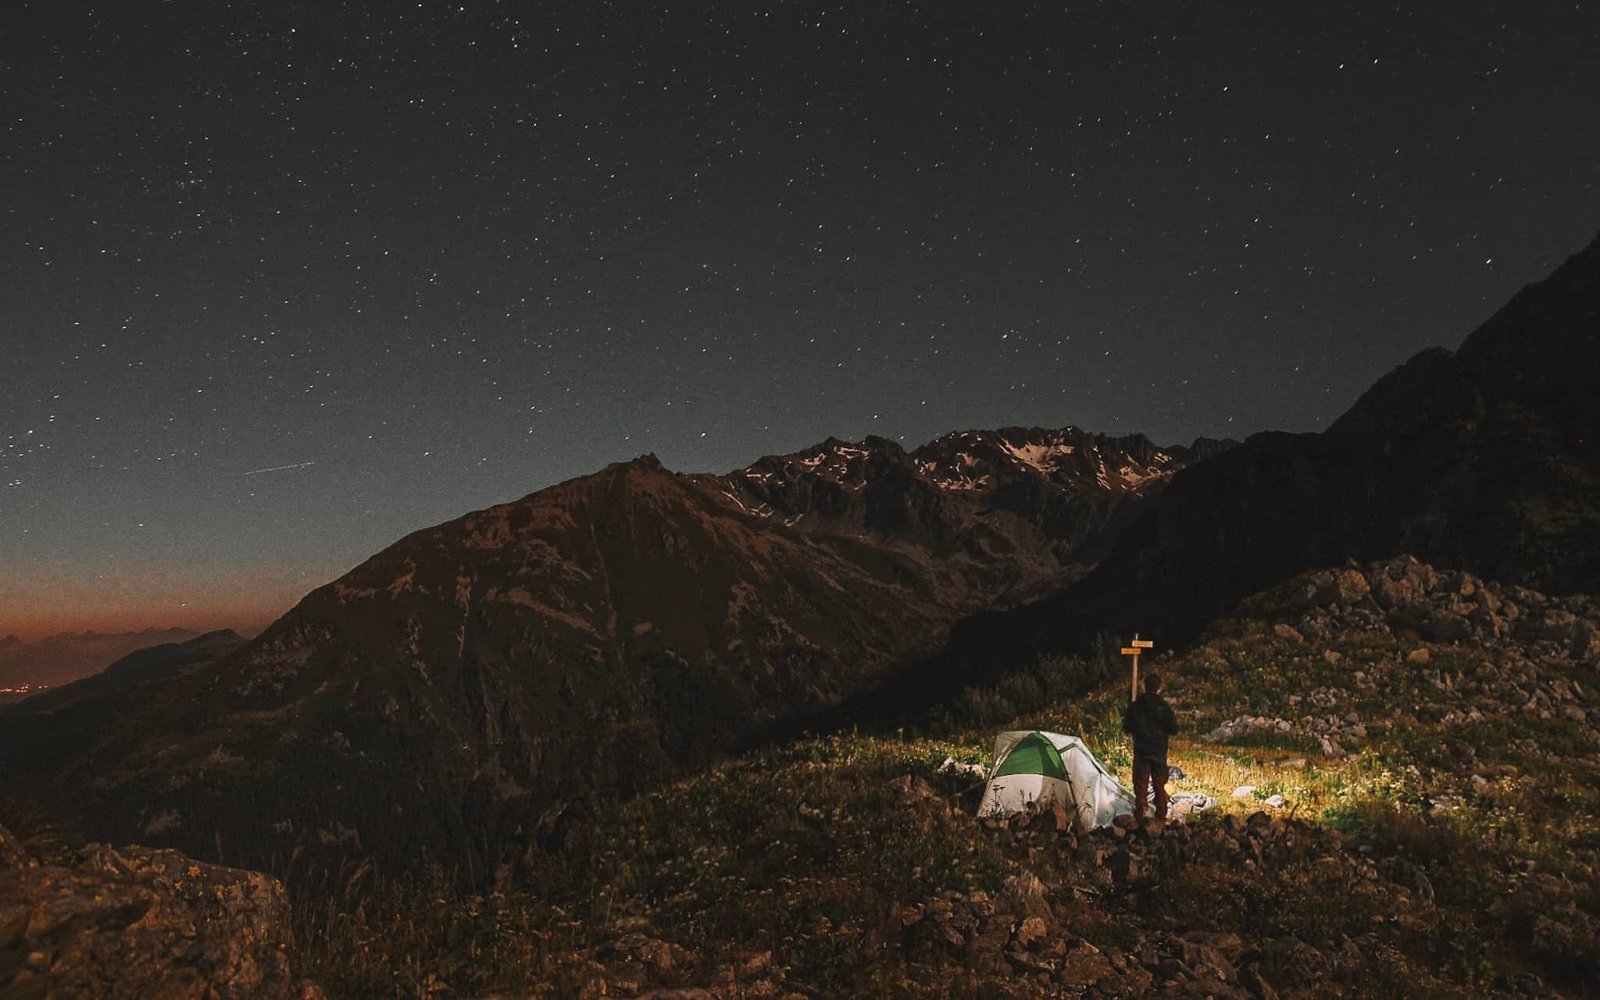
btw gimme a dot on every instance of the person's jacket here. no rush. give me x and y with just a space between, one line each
1150 721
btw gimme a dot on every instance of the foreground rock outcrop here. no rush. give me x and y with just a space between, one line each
1406 596
137 923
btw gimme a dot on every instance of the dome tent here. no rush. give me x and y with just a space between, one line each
1035 769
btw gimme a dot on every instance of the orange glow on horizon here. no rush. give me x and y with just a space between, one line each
247 620
72 597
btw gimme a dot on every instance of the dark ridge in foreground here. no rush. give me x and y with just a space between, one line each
1486 459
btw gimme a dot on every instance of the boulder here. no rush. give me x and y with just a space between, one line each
1085 965
1023 893
1402 582
911 788
1031 929
1435 624
12 854
139 922
1336 586
1445 626
989 942
1288 632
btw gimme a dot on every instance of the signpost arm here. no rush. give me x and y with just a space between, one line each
1133 649
1135 644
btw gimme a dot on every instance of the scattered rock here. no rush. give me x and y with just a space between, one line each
1246 725
988 942
1336 586
1024 894
1124 866
911 788
139 922
1252 980
1408 598
12 854
1031 930
1085 966
960 769
1061 819
1187 803
661 956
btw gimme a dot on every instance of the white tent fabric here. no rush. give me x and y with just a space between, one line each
1088 790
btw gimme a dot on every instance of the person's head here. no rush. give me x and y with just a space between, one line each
1152 683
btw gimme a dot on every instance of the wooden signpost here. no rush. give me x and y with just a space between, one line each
1133 649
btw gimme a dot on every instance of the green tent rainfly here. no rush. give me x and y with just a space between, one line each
1033 754
1034 770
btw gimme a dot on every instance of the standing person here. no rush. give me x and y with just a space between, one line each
1150 721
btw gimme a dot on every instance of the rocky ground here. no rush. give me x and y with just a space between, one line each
1400 774
1506 678
1224 905
1402 766
139 923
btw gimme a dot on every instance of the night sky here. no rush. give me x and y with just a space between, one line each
282 282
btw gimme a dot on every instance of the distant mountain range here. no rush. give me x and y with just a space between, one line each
66 656
1034 506
465 693
150 665
461 693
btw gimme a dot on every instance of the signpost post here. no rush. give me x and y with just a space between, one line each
1133 649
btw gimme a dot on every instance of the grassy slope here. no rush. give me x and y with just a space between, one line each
1451 852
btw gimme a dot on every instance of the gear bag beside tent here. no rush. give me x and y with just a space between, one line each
1033 770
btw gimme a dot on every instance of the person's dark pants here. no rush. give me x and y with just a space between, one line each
1144 772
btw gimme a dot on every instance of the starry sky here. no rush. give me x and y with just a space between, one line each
282 282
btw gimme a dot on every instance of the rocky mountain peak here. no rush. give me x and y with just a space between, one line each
648 461
1067 458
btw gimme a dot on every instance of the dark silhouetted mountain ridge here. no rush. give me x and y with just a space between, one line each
1485 459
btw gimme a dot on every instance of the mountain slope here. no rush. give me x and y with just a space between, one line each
469 690
66 656
1485 459
1381 813
153 665
1035 507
